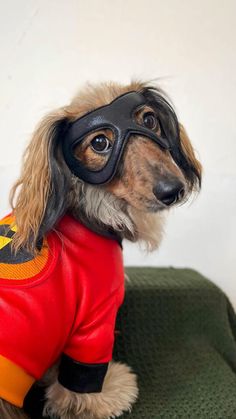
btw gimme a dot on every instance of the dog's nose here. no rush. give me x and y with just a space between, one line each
169 191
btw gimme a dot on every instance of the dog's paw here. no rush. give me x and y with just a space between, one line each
118 394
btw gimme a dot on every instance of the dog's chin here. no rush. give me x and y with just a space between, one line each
150 206
155 207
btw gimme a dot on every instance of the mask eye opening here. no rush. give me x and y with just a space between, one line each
93 150
101 144
147 117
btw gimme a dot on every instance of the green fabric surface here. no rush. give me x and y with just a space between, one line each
177 331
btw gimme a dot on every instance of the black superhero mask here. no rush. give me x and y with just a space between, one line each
119 117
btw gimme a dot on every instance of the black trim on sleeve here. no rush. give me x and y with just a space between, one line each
81 378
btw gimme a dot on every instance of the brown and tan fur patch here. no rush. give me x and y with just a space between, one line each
144 162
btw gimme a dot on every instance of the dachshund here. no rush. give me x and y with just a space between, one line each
100 170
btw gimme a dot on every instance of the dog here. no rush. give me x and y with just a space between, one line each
100 170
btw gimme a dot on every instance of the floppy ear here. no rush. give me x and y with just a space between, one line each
181 148
43 184
193 164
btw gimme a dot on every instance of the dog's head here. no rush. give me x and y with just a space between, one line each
113 157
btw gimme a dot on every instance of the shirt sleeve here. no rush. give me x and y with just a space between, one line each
89 349
81 378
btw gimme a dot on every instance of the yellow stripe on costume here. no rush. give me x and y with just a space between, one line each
4 241
14 382
14 228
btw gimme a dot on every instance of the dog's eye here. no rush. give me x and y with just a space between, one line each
150 120
100 144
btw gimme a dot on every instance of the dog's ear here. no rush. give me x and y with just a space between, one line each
181 148
193 167
43 184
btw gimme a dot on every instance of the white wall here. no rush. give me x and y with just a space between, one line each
50 48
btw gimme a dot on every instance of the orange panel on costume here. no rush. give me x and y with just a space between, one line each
14 382
21 265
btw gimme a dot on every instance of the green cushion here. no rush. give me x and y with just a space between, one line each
176 330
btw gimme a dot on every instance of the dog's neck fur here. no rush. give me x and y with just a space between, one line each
101 211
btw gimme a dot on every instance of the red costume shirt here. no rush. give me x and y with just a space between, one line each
63 301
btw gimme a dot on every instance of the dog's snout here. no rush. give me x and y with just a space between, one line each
169 191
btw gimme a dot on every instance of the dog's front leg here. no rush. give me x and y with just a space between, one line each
8 411
119 392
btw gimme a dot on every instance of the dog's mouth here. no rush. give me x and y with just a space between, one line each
156 205
164 195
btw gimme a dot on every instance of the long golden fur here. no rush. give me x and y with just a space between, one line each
46 190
